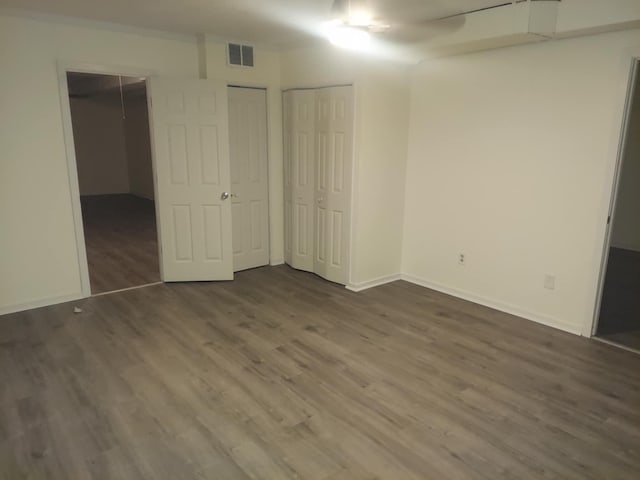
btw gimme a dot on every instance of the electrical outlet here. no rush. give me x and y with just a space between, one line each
461 259
550 282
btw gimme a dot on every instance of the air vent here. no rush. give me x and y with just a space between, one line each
240 55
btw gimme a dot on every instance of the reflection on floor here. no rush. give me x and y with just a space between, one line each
619 320
121 239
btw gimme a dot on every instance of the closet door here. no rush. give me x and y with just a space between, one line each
333 167
299 106
249 177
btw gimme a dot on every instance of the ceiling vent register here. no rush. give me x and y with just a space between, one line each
241 55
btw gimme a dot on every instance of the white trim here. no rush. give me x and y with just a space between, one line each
74 184
376 282
127 289
96 24
276 262
617 345
503 307
45 302
355 181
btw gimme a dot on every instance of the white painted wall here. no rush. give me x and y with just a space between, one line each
98 134
38 259
626 218
381 111
511 157
265 74
138 145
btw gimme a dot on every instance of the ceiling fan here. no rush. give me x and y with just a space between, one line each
354 22
357 13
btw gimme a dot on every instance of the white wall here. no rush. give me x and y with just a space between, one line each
626 219
138 145
382 106
98 134
38 259
510 162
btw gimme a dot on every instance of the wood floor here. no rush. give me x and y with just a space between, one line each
280 375
121 240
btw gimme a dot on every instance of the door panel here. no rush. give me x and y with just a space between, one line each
334 127
299 175
249 177
191 160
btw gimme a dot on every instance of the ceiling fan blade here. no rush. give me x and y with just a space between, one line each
422 31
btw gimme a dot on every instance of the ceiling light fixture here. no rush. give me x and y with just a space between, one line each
346 36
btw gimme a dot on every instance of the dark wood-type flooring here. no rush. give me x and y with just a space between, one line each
121 239
281 375
619 319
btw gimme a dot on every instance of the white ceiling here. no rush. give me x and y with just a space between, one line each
265 22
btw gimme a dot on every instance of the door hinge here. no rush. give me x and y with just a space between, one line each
608 219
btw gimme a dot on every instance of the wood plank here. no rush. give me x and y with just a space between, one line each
280 374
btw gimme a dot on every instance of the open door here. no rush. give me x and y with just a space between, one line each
190 143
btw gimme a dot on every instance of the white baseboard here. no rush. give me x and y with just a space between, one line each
39 303
276 262
503 307
376 282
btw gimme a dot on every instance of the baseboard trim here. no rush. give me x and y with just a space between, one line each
39 303
276 262
503 307
376 282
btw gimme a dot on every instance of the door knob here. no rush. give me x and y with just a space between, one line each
225 195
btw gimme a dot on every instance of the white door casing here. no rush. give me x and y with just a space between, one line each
190 142
286 155
299 112
333 172
249 177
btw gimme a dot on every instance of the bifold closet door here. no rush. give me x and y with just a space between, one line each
333 167
249 177
318 141
299 140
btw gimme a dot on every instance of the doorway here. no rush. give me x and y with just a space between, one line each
110 123
618 319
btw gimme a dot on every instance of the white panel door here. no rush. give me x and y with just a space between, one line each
249 177
299 171
190 141
333 167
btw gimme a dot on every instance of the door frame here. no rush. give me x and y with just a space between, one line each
353 194
72 165
633 76
270 201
